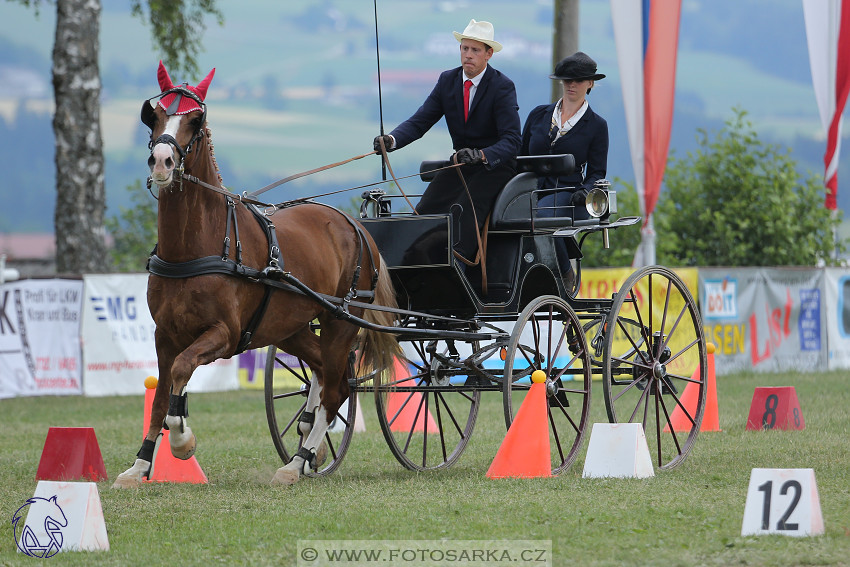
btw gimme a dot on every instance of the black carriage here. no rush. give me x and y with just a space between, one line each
464 334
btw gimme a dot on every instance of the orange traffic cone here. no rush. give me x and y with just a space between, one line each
525 451
166 467
403 407
710 419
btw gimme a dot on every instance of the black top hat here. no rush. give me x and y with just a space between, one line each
577 67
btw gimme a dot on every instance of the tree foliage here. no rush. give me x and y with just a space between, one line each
133 231
736 201
177 28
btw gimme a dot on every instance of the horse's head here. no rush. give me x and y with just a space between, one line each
176 121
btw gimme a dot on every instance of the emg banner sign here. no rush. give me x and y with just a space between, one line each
836 295
39 337
118 340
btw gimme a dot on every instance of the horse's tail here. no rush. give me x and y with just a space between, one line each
379 349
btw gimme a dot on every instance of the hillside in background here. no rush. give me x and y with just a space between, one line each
296 88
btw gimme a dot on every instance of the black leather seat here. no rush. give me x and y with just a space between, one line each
512 209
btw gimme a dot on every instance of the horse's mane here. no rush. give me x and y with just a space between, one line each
208 133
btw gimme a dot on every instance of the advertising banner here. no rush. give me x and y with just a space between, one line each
837 309
602 283
765 319
118 340
288 371
39 337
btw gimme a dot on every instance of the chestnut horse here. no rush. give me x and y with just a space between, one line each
234 303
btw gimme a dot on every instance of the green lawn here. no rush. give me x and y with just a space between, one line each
690 515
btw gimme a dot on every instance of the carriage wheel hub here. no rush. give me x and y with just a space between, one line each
438 376
659 371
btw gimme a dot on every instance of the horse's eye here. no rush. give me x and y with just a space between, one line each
196 122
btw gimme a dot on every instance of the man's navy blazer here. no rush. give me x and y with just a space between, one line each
587 141
493 125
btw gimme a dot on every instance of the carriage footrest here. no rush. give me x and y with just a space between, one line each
473 380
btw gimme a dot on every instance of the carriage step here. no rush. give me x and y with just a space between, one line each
475 381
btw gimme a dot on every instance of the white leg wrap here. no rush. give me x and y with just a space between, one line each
313 399
316 439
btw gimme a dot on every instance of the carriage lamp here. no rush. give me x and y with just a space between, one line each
600 203
374 205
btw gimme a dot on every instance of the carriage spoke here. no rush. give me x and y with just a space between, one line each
287 400
657 351
294 417
439 387
660 348
548 336
658 431
450 413
566 415
554 429
440 426
415 421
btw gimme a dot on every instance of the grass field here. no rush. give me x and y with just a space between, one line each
690 515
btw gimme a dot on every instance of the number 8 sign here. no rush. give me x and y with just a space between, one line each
775 408
784 502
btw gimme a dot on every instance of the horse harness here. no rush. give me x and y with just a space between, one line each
272 275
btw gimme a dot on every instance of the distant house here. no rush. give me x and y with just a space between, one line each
409 82
32 254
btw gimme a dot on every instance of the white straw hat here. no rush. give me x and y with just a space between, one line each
479 31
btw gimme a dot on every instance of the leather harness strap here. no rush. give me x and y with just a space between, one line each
481 256
272 276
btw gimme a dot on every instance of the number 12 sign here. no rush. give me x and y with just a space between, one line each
784 502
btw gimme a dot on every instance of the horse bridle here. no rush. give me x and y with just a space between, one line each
147 116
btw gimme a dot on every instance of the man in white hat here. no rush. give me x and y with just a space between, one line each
480 107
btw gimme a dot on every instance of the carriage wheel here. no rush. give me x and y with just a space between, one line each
654 352
428 417
287 384
548 336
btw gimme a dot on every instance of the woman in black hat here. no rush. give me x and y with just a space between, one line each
569 126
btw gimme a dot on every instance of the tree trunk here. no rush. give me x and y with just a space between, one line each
80 191
565 37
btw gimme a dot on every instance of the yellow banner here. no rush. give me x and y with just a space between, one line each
602 283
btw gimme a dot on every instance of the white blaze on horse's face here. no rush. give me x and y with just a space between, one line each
164 156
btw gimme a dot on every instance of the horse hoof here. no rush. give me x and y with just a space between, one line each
321 454
134 476
126 481
185 451
285 477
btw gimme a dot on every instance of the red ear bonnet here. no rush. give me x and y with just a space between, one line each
163 78
186 104
201 89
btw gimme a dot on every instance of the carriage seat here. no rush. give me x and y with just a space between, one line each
512 209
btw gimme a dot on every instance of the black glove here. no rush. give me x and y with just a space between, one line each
579 198
469 155
388 143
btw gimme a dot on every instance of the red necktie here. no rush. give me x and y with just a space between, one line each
466 86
